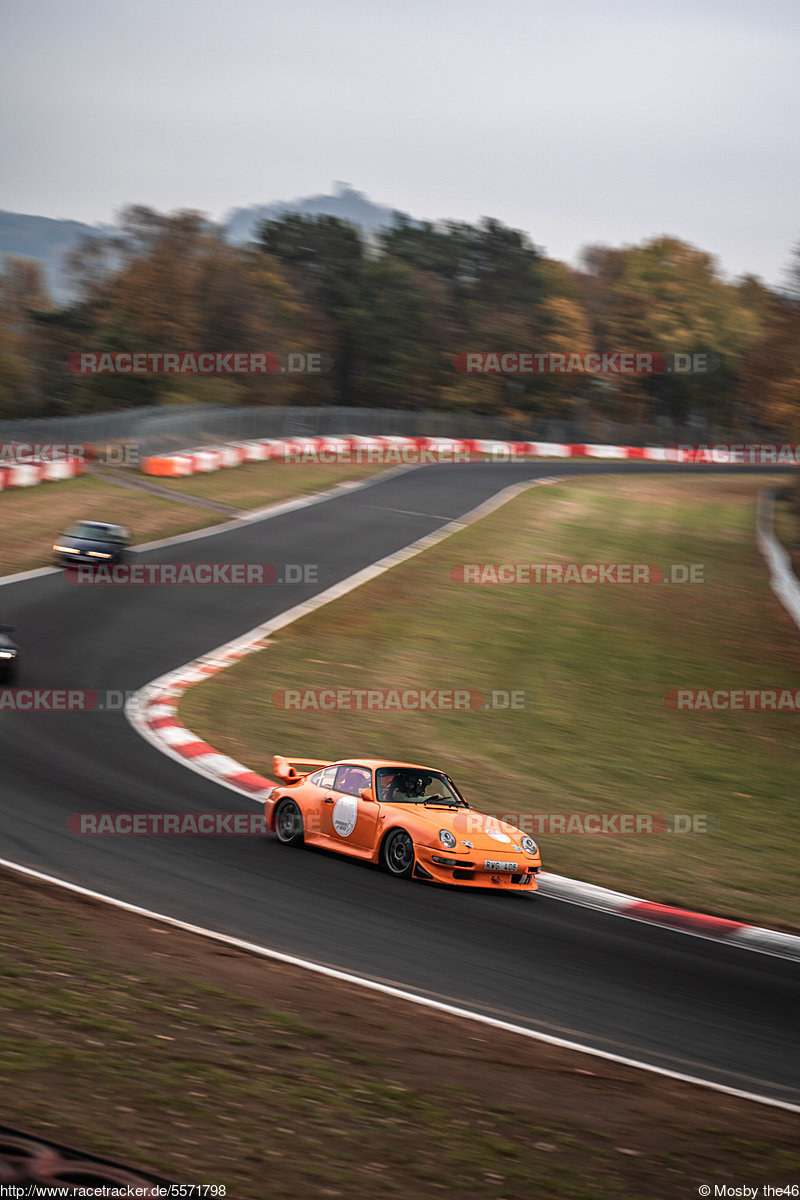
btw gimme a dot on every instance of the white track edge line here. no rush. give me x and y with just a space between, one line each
396 993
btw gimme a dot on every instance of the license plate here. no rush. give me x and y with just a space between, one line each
490 865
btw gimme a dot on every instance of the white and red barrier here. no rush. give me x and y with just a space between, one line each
389 450
28 474
358 448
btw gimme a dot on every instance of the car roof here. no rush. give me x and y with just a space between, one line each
98 524
372 763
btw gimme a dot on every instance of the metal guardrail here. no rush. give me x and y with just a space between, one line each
782 578
161 429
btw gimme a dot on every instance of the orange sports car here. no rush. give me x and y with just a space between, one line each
411 819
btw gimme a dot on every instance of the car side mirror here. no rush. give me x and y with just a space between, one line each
368 794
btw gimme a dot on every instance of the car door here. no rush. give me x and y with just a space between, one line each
315 811
346 818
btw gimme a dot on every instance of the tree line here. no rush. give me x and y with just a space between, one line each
392 312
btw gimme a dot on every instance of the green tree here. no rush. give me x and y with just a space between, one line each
324 259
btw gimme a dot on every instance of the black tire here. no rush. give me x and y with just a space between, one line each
399 858
288 823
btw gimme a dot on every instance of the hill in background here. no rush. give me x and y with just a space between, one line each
50 240
346 203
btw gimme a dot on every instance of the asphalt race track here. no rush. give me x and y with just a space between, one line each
686 1003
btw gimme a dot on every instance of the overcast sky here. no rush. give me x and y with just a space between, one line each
579 121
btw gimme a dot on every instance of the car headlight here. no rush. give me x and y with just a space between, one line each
447 839
96 554
64 549
8 654
529 845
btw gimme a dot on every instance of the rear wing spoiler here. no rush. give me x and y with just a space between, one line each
286 769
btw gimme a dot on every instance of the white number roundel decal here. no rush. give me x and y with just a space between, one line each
498 836
344 815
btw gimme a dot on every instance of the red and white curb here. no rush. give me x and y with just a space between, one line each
153 712
751 937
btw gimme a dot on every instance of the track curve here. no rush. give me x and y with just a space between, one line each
701 1008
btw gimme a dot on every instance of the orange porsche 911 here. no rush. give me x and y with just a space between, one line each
411 819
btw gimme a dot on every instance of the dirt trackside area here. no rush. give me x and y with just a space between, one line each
162 1050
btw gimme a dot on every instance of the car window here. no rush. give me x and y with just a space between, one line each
323 779
98 532
351 780
411 785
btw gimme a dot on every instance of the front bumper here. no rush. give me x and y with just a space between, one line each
80 558
470 871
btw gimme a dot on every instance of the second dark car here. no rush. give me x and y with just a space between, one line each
9 654
92 543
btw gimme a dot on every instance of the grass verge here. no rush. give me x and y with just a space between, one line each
595 663
32 518
252 485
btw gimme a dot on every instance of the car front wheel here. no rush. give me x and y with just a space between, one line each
398 854
288 823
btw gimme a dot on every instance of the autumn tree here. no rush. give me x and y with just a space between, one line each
770 373
24 296
667 297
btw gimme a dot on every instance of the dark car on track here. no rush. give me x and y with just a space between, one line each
9 655
92 543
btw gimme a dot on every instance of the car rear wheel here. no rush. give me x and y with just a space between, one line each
398 854
288 823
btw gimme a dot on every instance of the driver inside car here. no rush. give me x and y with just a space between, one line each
406 785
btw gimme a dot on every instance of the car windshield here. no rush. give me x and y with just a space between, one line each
96 532
409 785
